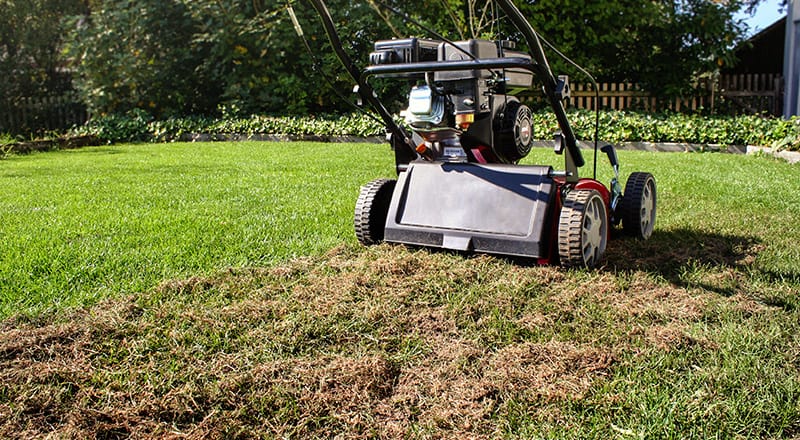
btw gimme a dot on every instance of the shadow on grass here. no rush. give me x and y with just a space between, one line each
687 257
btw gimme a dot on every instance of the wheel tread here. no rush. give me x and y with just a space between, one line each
570 228
630 206
371 209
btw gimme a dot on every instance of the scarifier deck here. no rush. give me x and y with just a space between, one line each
503 209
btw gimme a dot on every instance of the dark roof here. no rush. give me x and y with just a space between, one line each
763 52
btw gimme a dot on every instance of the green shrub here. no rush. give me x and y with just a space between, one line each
139 126
6 142
615 127
622 126
787 135
7 139
132 126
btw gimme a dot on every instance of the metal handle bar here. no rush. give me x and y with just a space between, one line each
449 66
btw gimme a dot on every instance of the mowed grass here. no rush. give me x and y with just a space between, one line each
77 226
232 302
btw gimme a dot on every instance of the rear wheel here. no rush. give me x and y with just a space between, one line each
582 229
638 205
372 207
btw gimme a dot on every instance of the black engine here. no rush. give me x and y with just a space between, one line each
463 115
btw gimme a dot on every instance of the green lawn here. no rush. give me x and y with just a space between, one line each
77 226
220 293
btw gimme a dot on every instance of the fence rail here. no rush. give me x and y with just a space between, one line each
31 115
755 93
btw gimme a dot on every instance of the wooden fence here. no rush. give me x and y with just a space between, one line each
730 94
755 93
32 115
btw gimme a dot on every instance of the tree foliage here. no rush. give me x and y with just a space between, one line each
661 44
202 56
31 42
134 55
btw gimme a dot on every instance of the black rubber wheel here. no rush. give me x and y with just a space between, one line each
372 207
637 208
582 229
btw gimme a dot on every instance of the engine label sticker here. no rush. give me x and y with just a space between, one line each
453 151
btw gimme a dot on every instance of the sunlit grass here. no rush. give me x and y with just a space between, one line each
77 226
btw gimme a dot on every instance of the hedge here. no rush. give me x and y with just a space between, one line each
615 127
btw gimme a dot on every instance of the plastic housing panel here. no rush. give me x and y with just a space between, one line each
503 209
516 79
481 49
407 50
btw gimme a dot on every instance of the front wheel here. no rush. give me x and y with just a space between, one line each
638 205
582 229
371 210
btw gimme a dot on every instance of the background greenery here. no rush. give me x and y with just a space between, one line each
615 127
33 36
181 57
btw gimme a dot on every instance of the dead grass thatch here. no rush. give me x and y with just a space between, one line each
377 343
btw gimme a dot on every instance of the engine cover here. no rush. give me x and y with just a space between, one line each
464 115
505 134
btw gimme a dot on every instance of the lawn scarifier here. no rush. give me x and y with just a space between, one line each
459 186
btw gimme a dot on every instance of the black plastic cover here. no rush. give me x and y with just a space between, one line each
501 209
404 51
516 80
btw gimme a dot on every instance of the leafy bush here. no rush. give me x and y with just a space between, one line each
139 126
615 127
133 55
32 43
6 142
787 135
621 126
132 126
180 57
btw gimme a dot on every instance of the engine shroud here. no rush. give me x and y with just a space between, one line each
475 111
